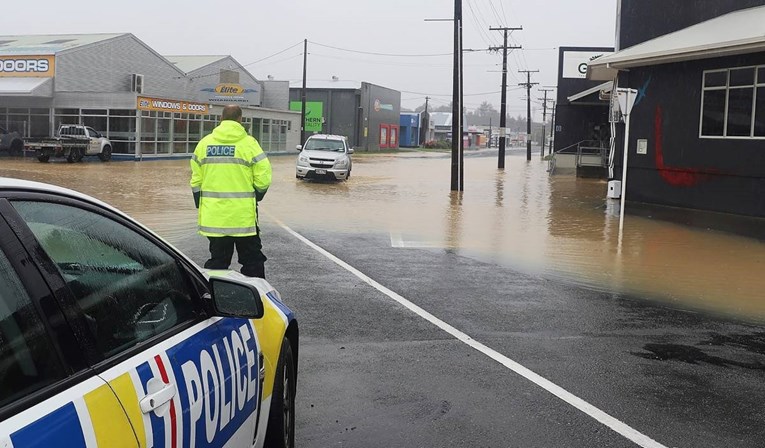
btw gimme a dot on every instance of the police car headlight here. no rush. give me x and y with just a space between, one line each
342 163
303 160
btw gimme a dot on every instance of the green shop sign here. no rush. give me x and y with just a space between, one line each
314 114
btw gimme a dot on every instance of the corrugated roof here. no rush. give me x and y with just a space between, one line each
737 32
49 43
21 86
190 63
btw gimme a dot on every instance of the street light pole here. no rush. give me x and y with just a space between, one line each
303 93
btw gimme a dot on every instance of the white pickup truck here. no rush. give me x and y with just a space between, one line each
73 142
11 141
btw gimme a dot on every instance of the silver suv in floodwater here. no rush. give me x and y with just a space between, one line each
324 157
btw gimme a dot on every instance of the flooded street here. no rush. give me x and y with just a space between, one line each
522 218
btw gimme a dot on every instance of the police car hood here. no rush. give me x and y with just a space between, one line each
229 131
327 155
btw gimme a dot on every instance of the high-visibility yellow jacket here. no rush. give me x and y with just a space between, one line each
228 170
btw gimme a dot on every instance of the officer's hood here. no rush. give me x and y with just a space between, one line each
229 131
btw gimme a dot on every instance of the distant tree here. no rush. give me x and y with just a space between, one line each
485 110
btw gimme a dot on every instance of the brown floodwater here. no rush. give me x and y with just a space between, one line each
521 218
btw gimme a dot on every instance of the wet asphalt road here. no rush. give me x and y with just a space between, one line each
374 374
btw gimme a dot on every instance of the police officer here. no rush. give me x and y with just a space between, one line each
229 174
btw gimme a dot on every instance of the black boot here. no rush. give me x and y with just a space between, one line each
255 270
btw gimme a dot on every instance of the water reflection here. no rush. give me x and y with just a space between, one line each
454 220
500 185
522 218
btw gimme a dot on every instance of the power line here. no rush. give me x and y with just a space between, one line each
388 63
372 53
487 37
251 63
448 95
275 54
502 6
496 14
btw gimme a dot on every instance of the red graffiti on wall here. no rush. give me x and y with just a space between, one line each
678 177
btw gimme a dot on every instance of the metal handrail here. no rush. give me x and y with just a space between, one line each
599 151
579 147
570 146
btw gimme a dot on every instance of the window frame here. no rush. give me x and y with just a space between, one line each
195 280
758 83
71 359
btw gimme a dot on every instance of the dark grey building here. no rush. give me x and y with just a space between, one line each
366 113
697 134
581 112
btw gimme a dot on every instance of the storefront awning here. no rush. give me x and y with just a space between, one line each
606 87
26 87
734 33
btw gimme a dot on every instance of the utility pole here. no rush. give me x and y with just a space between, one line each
488 144
528 84
462 110
457 97
503 106
425 122
544 120
552 130
303 93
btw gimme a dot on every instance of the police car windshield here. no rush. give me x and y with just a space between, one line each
317 144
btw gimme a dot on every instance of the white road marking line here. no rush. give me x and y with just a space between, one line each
397 240
615 424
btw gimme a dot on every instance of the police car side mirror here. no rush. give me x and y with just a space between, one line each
231 298
299 147
350 150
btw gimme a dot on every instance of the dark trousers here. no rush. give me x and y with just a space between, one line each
249 249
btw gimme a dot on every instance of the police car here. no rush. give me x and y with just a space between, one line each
110 337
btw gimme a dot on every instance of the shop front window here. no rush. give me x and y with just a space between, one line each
164 123
148 129
164 147
256 125
195 127
100 124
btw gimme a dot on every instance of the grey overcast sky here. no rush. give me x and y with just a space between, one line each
250 31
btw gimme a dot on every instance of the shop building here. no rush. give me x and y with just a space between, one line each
581 106
697 130
367 114
147 104
410 129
